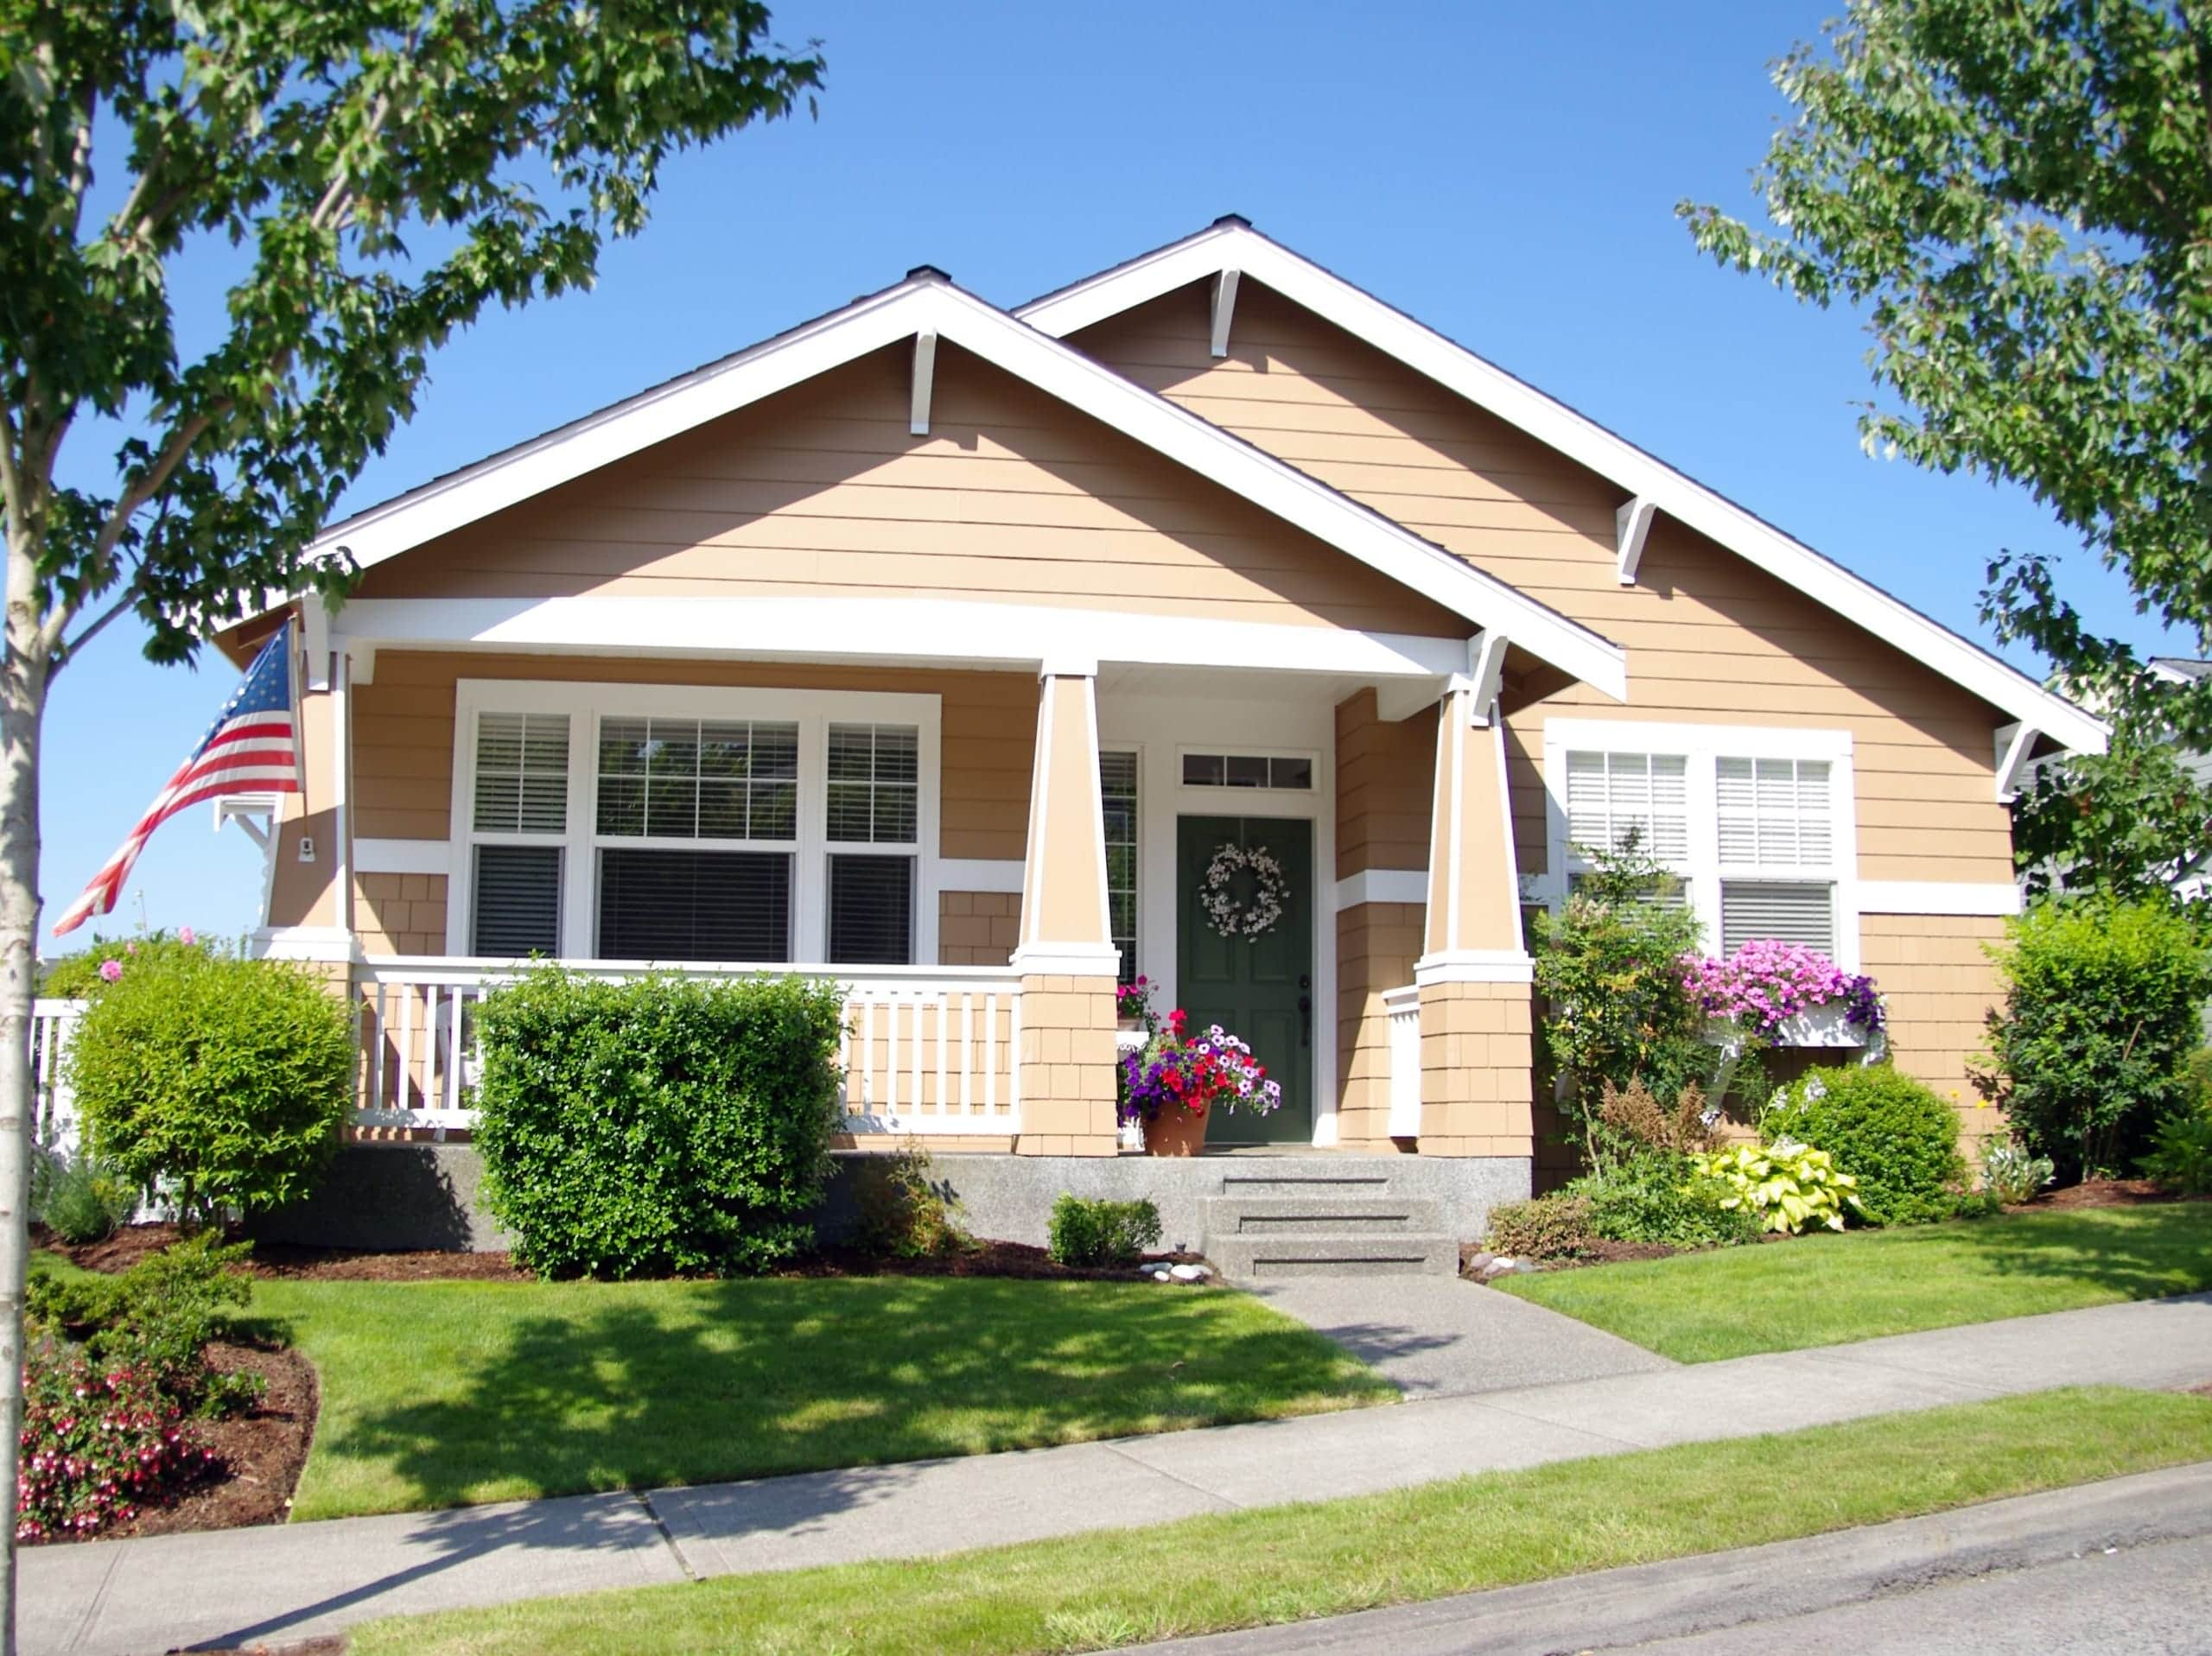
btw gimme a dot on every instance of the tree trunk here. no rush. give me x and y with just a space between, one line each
22 709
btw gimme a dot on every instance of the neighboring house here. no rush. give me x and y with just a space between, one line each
941 648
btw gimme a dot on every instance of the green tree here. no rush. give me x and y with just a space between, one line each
376 173
2019 193
2130 823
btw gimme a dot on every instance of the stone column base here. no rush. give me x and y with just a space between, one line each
1067 1067
1476 1069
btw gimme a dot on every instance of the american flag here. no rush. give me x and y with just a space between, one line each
250 749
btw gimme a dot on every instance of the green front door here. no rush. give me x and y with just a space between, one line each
1260 988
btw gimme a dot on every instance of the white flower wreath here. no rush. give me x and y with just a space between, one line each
1272 891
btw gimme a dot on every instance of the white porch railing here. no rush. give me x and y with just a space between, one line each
52 1024
925 1050
1403 1006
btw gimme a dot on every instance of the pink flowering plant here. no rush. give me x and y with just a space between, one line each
1181 1069
99 1444
1766 983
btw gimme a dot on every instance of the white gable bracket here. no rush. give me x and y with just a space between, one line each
2015 742
1224 306
1485 672
1631 524
918 415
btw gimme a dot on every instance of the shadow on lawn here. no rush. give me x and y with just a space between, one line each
634 1387
2144 1253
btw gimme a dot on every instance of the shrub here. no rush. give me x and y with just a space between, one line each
1633 1116
76 1200
660 1126
1656 1198
1608 971
1088 1232
1899 1139
98 1444
2010 1173
901 1209
80 976
156 1318
1787 1185
1554 1227
218 1082
2181 1152
2102 1000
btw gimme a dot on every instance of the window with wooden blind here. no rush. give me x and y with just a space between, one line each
875 791
1756 822
1117 793
518 815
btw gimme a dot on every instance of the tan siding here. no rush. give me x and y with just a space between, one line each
1939 985
404 734
1385 774
306 893
977 928
1710 639
1376 946
822 490
400 914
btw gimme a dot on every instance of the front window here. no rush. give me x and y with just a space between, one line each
1117 793
518 819
1776 841
874 801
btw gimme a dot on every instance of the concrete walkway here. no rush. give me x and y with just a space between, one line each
1439 1336
124 1598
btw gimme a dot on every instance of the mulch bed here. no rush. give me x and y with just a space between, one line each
2099 1193
262 1451
1018 1260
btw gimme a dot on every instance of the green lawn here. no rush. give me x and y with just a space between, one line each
447 1393
450 1393
1826 1290
1292 1563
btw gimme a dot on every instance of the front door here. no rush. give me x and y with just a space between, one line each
1258 987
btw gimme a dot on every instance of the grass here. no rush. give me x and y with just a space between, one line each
1292 1563
449 1393
1826 1289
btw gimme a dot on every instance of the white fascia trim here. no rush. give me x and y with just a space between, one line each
1067 959
979 874
1383 885
1984 897
929 306
303 943
402 857
1475 966
921 630
1552 422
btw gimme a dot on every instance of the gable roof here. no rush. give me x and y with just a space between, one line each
928 304
1231 243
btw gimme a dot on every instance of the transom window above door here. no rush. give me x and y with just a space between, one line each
731 826
1290 772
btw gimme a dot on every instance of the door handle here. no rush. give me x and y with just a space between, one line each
1305 1020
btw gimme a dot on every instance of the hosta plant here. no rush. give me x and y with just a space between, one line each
1789 1185
2011 1172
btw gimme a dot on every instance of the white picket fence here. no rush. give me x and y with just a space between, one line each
53 1025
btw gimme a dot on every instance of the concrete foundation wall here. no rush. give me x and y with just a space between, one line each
424 1195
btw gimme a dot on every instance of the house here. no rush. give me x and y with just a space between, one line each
943 648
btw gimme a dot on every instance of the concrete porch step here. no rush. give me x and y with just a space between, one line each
1264 1258
1321 1212
1307 1178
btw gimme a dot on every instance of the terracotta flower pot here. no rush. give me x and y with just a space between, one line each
1175 1131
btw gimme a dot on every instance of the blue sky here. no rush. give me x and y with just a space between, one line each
1508 174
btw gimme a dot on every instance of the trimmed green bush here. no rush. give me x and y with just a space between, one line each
77 977
217 1082
1899 1139
1554 1227
2181 1152
902 1208
666 1126
1087 1231
1656 1198
156 1318
2102 1004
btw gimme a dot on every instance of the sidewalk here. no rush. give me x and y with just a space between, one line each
121 1598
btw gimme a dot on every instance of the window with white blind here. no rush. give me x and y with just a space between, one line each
518 815
690 823
1117 793
875 792
1757 823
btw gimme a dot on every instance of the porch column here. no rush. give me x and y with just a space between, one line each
1066 954
1474 973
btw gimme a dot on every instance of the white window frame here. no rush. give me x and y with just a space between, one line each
1136 752
1703 746
1245 750
813 711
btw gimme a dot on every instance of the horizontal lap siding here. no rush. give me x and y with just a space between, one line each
822 490
1710 639
404 734
1939 984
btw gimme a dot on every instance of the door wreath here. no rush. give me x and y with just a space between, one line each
1270 892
